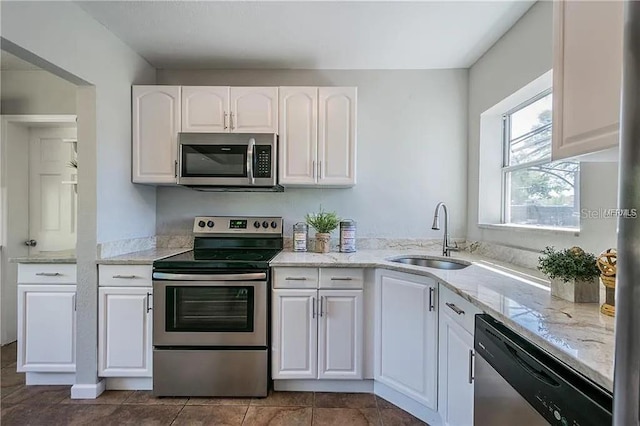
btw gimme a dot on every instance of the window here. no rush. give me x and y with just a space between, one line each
535 190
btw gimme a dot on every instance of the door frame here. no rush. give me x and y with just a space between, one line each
8 244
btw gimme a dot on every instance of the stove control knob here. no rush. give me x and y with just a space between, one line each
265 224
201 224
210 224
256 224
274 224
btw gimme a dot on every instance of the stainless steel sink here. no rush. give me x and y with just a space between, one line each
431 262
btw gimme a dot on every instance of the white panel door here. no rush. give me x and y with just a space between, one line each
253 109
340 334
337 118
205 109
455 372
124 332
406 344
52 198
294 341
46 328
155 126
587 74
298 135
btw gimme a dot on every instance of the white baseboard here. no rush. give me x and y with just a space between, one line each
129 383
87 391
357 386
50 378
409 405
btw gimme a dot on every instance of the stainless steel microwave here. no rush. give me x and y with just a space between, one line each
227 160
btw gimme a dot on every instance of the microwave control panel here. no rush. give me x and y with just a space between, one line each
263 161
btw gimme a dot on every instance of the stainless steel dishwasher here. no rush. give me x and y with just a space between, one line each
517 383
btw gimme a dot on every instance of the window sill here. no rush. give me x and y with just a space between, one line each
530 228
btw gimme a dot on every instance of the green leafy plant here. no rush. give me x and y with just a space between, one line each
568 264
323 222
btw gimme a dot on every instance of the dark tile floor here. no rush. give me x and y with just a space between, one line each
51 405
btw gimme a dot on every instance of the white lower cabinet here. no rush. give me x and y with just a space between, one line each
317 334
406 335
46 328
124 332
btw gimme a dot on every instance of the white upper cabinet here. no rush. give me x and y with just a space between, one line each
587 73
337 136
298 135
155 126
205 109
253 109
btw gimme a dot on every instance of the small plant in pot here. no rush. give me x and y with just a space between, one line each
573 272
324 223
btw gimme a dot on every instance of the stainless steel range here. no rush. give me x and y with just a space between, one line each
211 310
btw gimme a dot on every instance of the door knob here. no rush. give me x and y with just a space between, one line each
31 243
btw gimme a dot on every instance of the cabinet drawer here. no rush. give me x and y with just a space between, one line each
125 275
341 278
46 273
459 309
295 278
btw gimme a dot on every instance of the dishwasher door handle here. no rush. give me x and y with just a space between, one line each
538 374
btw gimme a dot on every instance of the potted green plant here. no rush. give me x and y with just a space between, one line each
573 272
324 223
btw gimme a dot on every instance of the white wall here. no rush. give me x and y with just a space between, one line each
523 54
411 154
36 92
61 38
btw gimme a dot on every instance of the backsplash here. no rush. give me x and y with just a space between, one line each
116 248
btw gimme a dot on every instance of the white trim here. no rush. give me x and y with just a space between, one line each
409 405
129 383
90 391
33 378
312 385
530 228
41 118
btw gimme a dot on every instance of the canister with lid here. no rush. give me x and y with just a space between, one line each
300 236
347 236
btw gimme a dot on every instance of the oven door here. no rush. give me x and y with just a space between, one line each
210 310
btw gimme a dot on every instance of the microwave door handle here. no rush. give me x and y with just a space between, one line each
250 148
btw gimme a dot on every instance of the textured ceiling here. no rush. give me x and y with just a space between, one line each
308 35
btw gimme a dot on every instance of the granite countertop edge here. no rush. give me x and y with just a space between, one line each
145 257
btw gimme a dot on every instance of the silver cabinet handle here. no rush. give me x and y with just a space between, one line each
321 310
313 307
454 308
149 302
295 279
48 274
314 169
126 277
431 305
231 120
319 169
471 355
224 120
341 279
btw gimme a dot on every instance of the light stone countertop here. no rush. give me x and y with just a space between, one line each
63 256
576 333
145 257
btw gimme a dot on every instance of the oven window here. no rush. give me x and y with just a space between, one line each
210 309
214 161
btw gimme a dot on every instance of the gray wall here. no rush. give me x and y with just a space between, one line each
411 154
36 92
523 54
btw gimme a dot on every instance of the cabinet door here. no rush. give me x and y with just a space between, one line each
156 123
294 343
254 110
337 120
455 389
298 142
587 74
124 332
340 332
205 109
47 328
406 336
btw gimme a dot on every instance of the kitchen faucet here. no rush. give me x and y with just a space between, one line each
446 249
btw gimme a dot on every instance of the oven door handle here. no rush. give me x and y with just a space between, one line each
209 277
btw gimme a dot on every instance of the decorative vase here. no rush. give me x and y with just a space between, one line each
577 291
322 242
608 265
